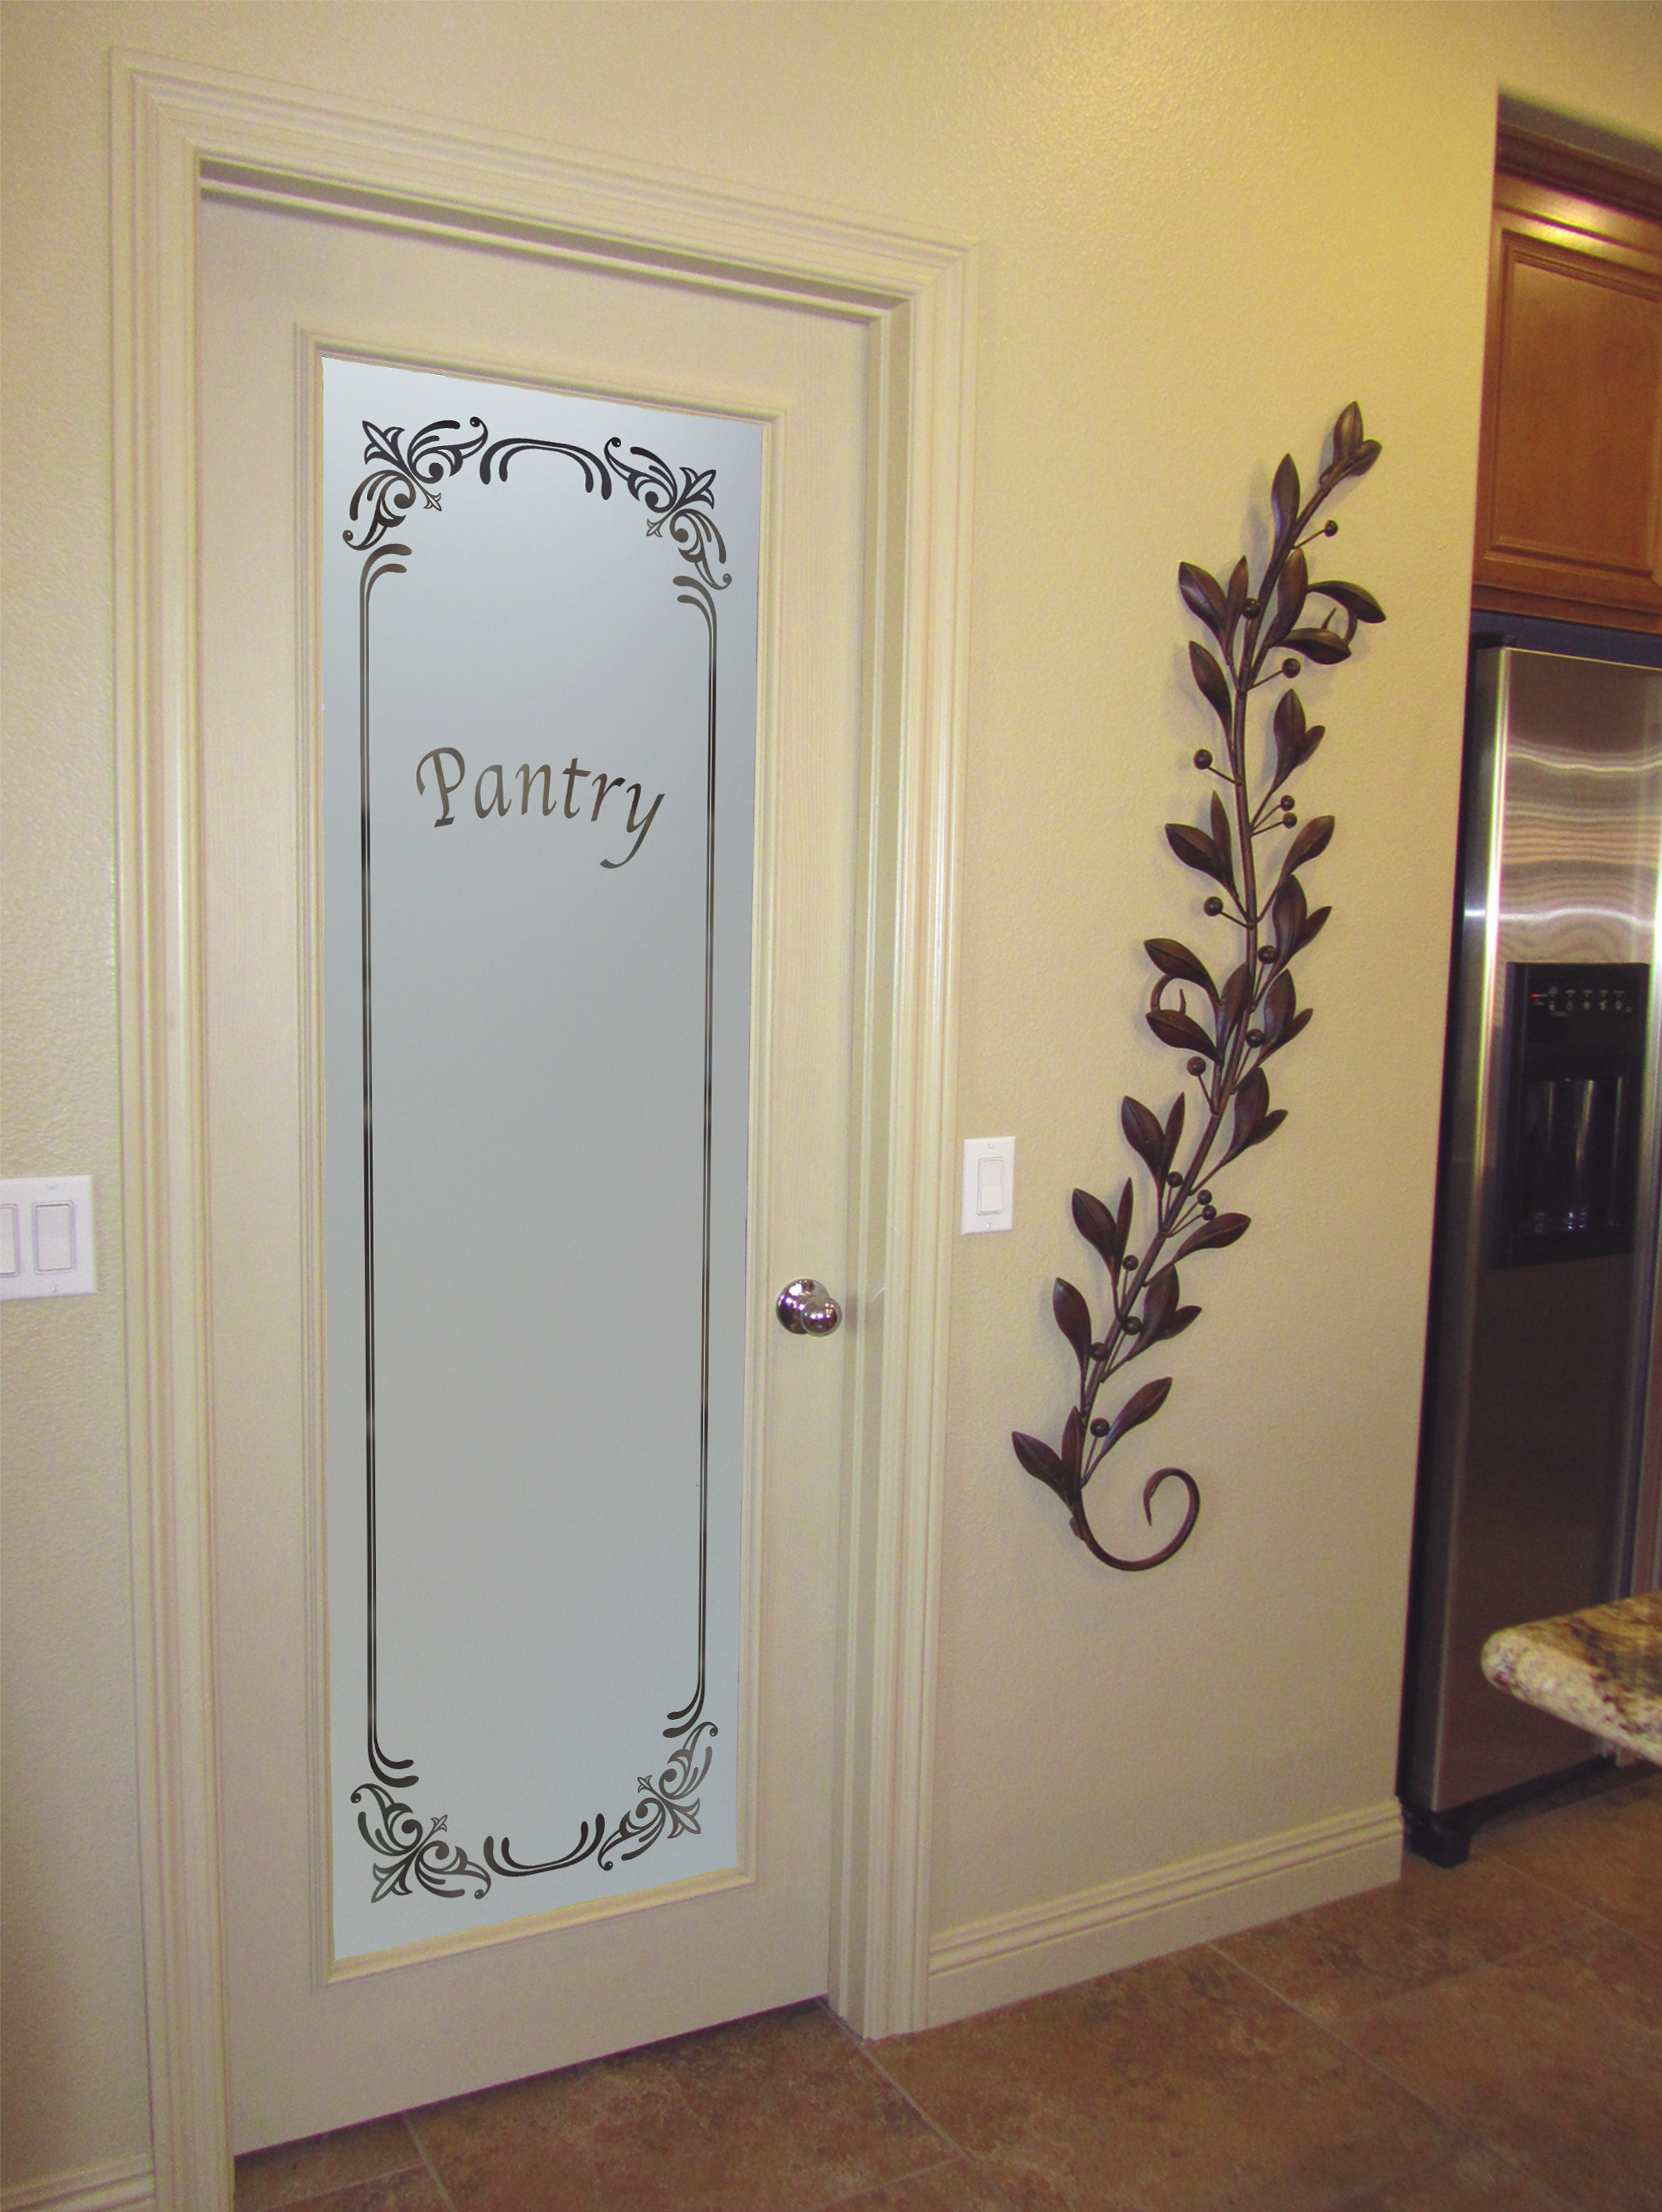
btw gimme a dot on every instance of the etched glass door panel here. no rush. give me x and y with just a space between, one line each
539 656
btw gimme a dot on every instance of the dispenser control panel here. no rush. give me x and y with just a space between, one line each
1574 1061
1561 1001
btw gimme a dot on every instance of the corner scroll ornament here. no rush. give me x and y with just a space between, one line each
409 1851
411 467
1264 635
687 509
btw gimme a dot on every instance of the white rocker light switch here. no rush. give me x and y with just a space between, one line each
989 1184
46 1236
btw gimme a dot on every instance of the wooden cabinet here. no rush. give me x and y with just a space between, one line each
1569 473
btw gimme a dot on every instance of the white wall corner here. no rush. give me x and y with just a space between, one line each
1096 1931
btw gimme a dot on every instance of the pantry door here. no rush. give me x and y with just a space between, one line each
330 2021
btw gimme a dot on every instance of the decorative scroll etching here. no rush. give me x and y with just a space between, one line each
410 472
443 1868
412 1852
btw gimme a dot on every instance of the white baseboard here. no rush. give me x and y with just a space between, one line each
1097 1931
123 2184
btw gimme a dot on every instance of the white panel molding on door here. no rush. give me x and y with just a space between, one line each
174 128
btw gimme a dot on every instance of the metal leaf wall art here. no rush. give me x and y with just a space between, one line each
1227 1031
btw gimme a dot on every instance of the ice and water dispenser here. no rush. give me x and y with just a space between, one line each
1575 1082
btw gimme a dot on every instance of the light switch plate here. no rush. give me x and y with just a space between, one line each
989 1184
46 1236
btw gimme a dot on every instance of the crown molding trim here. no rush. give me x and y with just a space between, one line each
1589 176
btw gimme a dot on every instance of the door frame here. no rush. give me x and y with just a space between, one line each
175 126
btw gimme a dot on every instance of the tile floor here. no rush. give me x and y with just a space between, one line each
1483 2039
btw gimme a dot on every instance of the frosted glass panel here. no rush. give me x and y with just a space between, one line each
539 653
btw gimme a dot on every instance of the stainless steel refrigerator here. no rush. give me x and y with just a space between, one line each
1545 1253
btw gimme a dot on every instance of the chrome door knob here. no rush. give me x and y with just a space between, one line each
807 1309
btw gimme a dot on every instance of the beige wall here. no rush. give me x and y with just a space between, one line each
1203 228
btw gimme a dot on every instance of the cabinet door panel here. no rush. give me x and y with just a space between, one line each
1569 495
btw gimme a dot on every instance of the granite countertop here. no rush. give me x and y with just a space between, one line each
1600 1670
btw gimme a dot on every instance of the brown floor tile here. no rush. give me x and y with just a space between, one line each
1172 2087
294 2172
398 2192
1605 1851
1469 2180
1342 1957
781 2112
590 2137
1553 2058
956 2187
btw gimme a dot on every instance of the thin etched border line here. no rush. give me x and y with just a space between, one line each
379 564
684 1719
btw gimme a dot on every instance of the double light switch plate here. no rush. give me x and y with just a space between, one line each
46 1236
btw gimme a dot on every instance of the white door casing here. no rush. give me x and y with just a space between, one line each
543 1979
174 127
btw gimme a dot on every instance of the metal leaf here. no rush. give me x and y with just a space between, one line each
1287 910
1213 684
1323 645
1178 1032
1252 1103
1236 991
1177 961
1240 584
1284 500
1042 1464
1196 850
1313 738
1282 1019
1280 1004
1097 1226
1142 1132
1227 1229
1294 740
1287 725
1347 432
1141 1406
1290 591
1173 1136
1072 1318
1313 838
1159 1303
1354 599
1312 927
1203 595
1123 1218
1222 839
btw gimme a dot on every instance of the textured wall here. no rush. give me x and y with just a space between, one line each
1203 227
